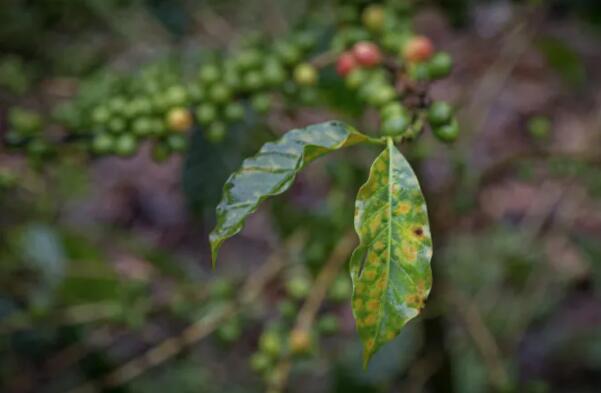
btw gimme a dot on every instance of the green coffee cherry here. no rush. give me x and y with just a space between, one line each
206 114
177 142
260 362
298 287
419 71
234 111
328 324
142 126
396 125
24 121
287 308
261 102
440 65
117 125
289 53
117 105
305 74
440 113
222 289
270 343
125 145
208 74
102 143
447 132
274 73
373 17
176 96
341 289
220 94
393 109
101 115
196 93
539 127
248 59
381 95
355 78
305 40
216 132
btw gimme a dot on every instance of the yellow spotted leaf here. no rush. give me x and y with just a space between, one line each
391 266
271 172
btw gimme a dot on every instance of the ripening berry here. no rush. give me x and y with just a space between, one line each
305 74
440 113
345 64
367 53
179 119
418 49
299 341
448 132
373 17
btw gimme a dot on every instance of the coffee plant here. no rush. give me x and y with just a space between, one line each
385 69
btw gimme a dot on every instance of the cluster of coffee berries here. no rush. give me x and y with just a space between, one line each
25 133
384 62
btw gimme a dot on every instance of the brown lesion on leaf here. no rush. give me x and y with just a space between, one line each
419 231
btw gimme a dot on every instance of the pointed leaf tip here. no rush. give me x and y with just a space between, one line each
390 268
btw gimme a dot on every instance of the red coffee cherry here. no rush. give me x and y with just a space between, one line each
345 63
418 49
367 53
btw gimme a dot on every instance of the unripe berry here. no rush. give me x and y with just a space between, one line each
117 125
373 17
448 132
179 119
209 73
299 341
176 95
220 93
125 145
305 74
142 126
234 111
206 113
355 78
418 49
396 125
439 113
260 362
341 289
274 72
177 142
270 343
367 53
260 102
102 143
216 132
345 64
298 287
382 95
440 65
328 324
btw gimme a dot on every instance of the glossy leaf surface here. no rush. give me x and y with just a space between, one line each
391 266
271 172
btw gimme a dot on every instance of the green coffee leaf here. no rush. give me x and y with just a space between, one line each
272 171
391 266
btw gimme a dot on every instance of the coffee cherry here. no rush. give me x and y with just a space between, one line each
102 143
328 324
260 362
287 52
341 289
230 331
305 40
179 119
447 132
274 72
539 127
299 341
260 102
234 111
345 64
393 109
196 93
298 287
367 53
373 17
101 115
418 49
305 74
177 142
216 132
355 78
396 125
208 74
220 93
117 125
439 113
248 58
440 65
270 343
382 95
206 113
253 81
176 96
142 126
125 145
117 105
419 72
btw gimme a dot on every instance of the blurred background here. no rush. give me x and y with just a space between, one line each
105 276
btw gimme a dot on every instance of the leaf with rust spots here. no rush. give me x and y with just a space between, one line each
391 266
271 172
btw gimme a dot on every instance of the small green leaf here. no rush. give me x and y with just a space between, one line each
271 172
391 266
